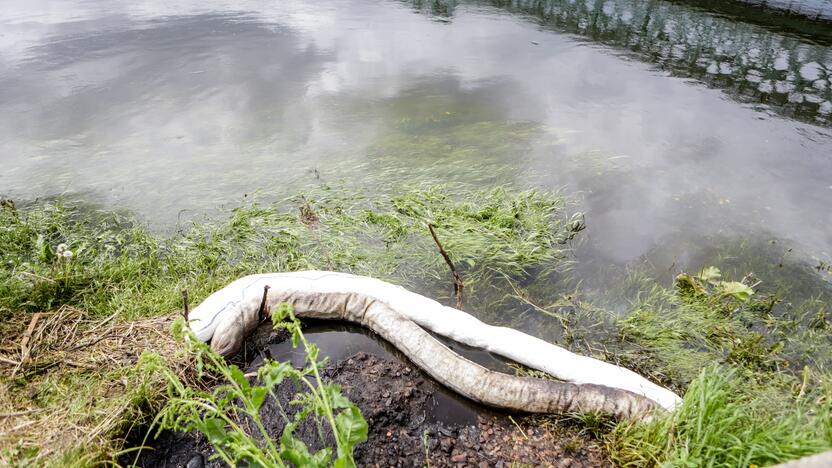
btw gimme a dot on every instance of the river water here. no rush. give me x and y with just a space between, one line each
677 125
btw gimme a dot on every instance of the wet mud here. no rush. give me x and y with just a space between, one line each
413 420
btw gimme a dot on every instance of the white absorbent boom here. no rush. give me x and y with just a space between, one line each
227 317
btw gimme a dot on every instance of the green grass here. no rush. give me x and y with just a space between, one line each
118 265
731 419
755 378
122 274
754 368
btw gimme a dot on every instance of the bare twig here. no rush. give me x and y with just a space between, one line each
262 311
22 425
518 427
9 361
185 310
102 338
519 295
458 284
24 342
19 413
84 365
103 322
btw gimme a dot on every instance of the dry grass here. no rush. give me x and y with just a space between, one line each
69 386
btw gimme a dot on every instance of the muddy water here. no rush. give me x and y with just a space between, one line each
682 127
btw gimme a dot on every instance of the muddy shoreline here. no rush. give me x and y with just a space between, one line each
413 422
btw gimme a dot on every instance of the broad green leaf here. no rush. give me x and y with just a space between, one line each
214 429
238 377
735 289
295 451
689 284
258 395
272 373
44 251
338 400
295 337
710 274
351 427
344 461
322 457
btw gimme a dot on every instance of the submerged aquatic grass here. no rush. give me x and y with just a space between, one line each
755 377
118 265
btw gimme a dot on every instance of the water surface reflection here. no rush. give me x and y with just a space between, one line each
778 64
161 107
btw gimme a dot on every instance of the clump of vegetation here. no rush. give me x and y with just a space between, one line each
219 413
733 418
118 264
120 278
755 377
754 373
762 397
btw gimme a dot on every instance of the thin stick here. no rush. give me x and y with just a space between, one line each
458 284
261 312
103 322
9 361
24 342
185 303
518 427
19 413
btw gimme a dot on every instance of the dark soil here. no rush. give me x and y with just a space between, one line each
409 426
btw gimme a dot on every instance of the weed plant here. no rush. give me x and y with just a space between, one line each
222 413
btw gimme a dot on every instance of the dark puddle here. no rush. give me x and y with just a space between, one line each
339 341
413 420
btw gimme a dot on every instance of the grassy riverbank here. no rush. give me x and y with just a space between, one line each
754 367
95 306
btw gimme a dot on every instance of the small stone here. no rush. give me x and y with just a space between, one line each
389 434
197 461
566 462
446 443
458 458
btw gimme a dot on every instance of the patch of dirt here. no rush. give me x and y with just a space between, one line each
393 397
399 403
